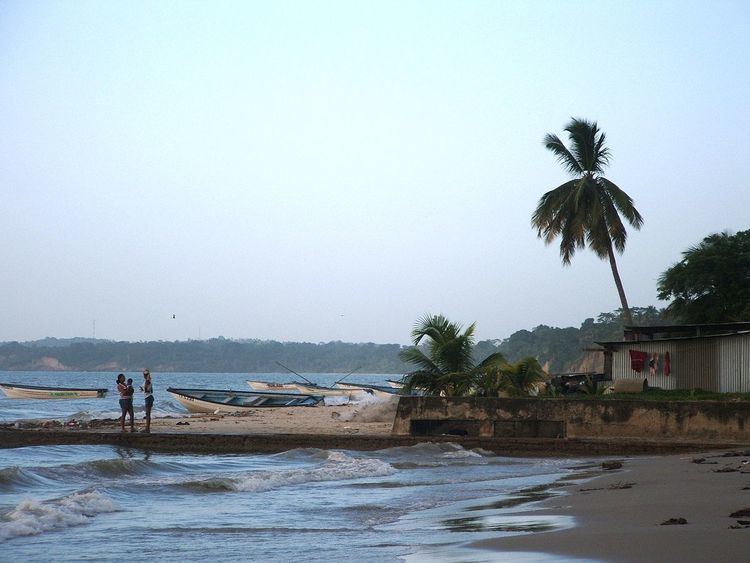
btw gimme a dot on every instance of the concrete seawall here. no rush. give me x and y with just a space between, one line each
703 421
269 443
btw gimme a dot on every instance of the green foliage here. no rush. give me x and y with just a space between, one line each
711 284
521 378
443 356
590 387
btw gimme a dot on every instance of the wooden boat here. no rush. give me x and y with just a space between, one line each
395 384
16 391
377 390
289 387
217 400
331 391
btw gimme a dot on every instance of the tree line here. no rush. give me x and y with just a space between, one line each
559 349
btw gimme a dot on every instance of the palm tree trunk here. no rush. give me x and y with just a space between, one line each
618 282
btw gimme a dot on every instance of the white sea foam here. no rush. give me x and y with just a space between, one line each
31 517
462 454
338 467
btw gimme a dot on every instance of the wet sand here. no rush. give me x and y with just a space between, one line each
619 515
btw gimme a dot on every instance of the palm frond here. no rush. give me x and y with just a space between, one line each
564 156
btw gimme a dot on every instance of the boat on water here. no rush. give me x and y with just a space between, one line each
217 400
395 384
17 391
289 387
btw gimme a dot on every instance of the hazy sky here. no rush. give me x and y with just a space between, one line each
333 170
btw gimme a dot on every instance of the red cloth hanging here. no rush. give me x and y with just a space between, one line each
637 360
667 364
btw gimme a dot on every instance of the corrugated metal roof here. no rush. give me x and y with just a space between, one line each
675 338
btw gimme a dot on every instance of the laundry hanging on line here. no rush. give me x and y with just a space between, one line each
638 360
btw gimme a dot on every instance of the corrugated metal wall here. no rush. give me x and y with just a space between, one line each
734 363
720 363
621 363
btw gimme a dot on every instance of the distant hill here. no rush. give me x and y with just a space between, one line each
560 349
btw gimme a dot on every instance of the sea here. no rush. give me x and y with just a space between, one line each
428 502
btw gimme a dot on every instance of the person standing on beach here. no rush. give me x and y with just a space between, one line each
126 402
148 389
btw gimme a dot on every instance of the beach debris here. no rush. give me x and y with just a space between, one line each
610 465
744 513
703 460
611 487
214 419
335 414
737 453
674 521
727 469
183 423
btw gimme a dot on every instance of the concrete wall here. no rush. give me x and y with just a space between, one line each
573 418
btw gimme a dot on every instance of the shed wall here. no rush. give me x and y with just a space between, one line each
720 364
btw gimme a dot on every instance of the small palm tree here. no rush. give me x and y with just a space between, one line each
522 378
447 368
586 210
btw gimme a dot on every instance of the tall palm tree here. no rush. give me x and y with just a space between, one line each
447 368
586 210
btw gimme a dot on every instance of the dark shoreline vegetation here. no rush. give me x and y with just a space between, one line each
560 349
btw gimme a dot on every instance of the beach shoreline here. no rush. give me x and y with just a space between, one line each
621 515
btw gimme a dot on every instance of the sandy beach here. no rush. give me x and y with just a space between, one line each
619 514
374 418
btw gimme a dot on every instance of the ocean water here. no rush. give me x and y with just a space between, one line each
420 503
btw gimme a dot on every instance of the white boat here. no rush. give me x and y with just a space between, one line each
376 390
16 391
395 384
331 391
271 386
217 400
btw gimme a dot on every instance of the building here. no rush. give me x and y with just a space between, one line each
712 357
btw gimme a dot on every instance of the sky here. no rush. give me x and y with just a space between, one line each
317 171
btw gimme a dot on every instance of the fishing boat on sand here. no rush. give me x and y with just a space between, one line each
217 400
289 387
332 391
16 391
376 390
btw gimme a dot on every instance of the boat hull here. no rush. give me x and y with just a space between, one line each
270 386
217 401
375 390
13 391
331 391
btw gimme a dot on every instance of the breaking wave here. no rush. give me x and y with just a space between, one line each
338 467
32 517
